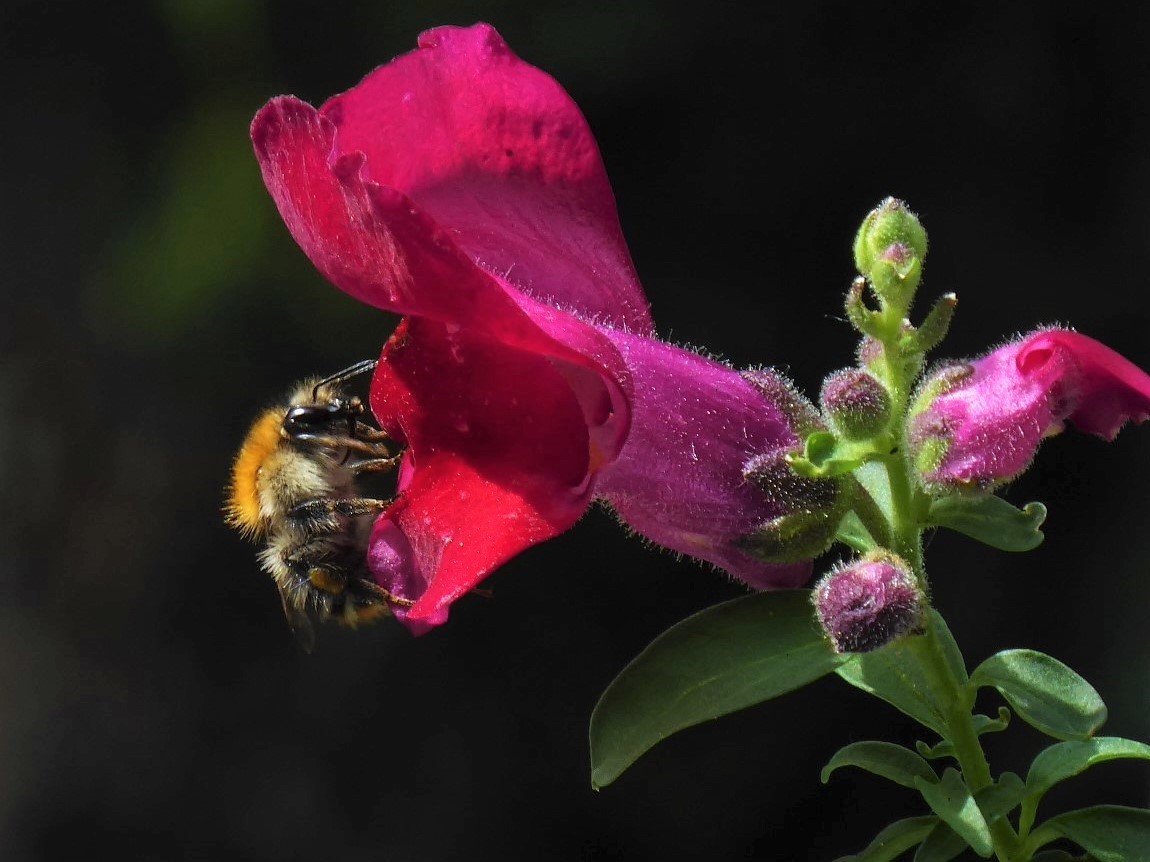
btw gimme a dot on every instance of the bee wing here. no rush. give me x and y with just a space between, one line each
299 622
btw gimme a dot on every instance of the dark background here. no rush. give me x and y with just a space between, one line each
154 706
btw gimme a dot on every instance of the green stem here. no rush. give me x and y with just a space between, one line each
908 507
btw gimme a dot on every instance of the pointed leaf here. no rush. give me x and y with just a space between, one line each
898 674
991 520
1044 692
900 765
952 802
720 660
894 840
1110 833
1064 760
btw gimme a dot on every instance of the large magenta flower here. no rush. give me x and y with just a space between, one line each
978 424
461 188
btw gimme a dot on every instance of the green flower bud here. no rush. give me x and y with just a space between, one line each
889 250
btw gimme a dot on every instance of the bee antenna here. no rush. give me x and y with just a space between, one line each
347 373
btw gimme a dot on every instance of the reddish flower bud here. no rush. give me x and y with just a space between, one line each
979 424
855 403
869 603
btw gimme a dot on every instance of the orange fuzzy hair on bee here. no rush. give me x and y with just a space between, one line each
243 505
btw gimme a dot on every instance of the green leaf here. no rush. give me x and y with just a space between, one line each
1044 692
825 456
720 660
876 480
950 650
951 800
1064 760
891 761
894 840
854 534
991 520
898 673
1001 797
985 724
941 845
1110 833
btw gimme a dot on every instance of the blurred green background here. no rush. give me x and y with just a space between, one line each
154 704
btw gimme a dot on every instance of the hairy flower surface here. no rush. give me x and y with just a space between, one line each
980 423
461 187
868 603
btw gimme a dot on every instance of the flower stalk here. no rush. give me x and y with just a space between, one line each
461 188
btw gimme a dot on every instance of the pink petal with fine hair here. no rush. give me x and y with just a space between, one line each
695 425
1107 388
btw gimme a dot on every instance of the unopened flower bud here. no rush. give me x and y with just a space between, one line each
889 249
869 603
890 223
812 511
855 403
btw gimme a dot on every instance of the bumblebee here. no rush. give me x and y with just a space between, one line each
294 488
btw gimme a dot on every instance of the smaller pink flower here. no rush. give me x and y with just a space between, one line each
978 424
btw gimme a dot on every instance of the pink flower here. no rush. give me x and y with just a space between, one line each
462 188
979 424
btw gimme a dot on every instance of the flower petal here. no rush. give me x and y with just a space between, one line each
695 425
1109 389
498 460
493 147
372 242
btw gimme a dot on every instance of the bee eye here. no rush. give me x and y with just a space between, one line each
309 418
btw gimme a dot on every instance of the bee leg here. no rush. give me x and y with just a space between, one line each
320 515
375 465
368 434
391 598
374 449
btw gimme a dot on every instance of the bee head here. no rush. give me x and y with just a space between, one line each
323 417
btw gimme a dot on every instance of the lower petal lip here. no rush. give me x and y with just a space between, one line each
390 559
